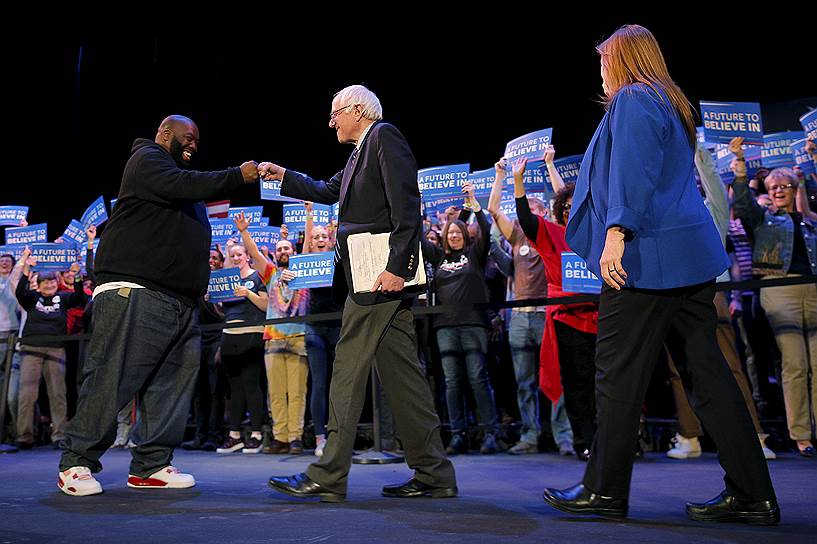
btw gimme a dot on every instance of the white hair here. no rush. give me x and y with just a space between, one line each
358 94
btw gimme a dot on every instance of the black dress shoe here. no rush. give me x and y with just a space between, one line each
300 485
579 500
416 488
726 507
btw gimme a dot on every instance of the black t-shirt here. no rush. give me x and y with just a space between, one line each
799 259
460 279
47 315
244 310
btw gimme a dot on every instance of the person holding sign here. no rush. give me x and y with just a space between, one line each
785 245
640 223
378 193
242 353
568 334
321 337
285 348
47 313
151 269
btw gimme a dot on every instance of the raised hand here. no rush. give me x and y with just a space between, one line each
550 154
519 168
736 147
90 232
500 168
241 222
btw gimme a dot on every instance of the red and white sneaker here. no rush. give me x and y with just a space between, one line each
78 481
166 478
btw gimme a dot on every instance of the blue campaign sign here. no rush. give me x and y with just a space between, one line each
701 137
313 270
53 257
723 160
252 214
27 235
336 211
726 120
439 205
801 157
264 222
535 180
507 204
809 123
776 150
271 190
295 215
576 278
568 168
113 203
222 284
483 181
530 145
15 249
442 181
221 230
12 216
265 236
74 233
95 215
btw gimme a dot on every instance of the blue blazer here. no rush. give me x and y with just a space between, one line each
637 173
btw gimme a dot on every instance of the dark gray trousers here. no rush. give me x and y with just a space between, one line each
383 335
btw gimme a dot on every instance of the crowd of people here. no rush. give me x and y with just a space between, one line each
496 375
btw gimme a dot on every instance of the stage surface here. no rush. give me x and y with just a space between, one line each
500 501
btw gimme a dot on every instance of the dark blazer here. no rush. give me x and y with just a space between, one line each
378 192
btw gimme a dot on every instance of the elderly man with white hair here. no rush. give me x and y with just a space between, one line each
378 193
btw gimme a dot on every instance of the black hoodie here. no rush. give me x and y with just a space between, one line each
158 235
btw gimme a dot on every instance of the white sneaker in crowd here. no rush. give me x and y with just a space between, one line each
78 481
166 478
767 452
685 448
320 444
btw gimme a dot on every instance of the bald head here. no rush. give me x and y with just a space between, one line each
180 136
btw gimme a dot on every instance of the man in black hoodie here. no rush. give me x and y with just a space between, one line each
151 269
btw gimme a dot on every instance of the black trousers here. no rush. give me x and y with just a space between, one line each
634 324
577 352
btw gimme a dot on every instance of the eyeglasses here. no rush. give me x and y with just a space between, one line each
786 187
337 111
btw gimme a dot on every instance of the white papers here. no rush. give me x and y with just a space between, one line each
368 257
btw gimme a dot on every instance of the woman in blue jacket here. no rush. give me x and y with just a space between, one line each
641 225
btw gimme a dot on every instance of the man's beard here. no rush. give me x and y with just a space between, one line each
176 150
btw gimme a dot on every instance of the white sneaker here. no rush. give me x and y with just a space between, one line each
685 448
767 452
320 444
78 481
166 478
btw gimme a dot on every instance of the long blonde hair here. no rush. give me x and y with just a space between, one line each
631 55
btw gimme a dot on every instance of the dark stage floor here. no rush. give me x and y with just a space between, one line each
500 501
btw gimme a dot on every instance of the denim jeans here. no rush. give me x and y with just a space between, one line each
462 350
320 349
143 342
525 338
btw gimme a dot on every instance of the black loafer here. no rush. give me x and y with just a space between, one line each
580 500
726 507
416 488
301 486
